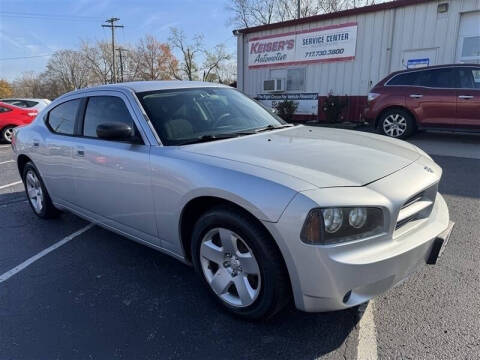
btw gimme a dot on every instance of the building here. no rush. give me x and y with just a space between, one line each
347 52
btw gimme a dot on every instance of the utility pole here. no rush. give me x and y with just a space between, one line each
120 49
112 26
298 9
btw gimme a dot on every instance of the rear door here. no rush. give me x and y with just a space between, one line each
55 153
112 178
433 98
468 97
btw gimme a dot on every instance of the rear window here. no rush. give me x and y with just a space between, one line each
434 78
61 119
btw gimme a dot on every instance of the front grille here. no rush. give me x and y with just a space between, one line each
415 208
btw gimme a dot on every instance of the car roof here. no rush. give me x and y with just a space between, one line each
29 99
434 67
141 86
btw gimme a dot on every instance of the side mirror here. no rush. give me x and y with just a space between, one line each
115 131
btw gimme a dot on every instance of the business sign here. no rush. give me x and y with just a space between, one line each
307 103
330 43
417 63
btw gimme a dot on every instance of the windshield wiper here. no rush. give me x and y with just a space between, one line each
207 138
271 127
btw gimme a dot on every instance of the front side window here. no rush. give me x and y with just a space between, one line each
469 78
182 116
104 109
61 119
437 78
4 109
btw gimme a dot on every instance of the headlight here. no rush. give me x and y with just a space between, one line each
372 96
335 225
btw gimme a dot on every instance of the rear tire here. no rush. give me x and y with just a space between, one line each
37 194
397 123
7 133
233 268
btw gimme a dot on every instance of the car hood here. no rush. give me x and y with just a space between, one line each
320 156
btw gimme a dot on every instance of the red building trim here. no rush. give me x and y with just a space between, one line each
335 15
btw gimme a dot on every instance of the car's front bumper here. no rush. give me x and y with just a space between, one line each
335 277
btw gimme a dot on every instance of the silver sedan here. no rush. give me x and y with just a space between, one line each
265 211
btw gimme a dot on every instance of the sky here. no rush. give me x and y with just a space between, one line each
32 29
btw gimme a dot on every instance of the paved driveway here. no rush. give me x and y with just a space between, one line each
101 296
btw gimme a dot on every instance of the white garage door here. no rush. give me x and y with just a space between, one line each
468 50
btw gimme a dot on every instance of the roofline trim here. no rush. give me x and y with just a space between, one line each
350 12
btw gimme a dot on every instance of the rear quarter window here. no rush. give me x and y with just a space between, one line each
61 119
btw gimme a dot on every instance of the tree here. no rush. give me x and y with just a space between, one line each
248 13
189 52
155 60
5 89
69 68
98 61
215 59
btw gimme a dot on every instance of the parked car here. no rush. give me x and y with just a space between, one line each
12 116
37 104
264 210
437 97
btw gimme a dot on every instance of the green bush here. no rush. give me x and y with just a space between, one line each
333 106
285 109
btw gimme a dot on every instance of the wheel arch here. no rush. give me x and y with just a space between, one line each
22 160
393 107
198 206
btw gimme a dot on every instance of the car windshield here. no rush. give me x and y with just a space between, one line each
185 116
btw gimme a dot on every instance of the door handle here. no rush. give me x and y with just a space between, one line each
465 97
80 152
416 96
36 143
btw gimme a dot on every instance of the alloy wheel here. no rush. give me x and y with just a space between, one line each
34 191
8 134
394 125
230 267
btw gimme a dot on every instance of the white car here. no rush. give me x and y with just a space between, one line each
264 210
38 104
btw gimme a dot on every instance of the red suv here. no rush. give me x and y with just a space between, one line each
441 97
12 116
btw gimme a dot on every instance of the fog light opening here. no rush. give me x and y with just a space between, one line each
347 296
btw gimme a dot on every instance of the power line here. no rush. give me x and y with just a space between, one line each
112 26
47 16
25 57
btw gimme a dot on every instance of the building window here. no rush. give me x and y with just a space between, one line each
295 78
471 47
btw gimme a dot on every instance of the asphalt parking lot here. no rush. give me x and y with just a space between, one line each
102 296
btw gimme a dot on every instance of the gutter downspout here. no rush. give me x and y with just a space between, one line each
240 60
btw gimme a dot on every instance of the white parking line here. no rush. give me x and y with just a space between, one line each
367 334
42 253
11 184
6 162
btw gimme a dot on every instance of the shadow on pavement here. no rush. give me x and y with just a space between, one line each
104 296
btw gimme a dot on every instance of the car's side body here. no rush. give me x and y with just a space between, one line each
27 103
153 193
442 97
12 116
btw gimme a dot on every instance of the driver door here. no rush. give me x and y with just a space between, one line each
112 178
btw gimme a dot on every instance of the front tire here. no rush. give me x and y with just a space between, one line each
239 263
7 133
397 123
37 194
